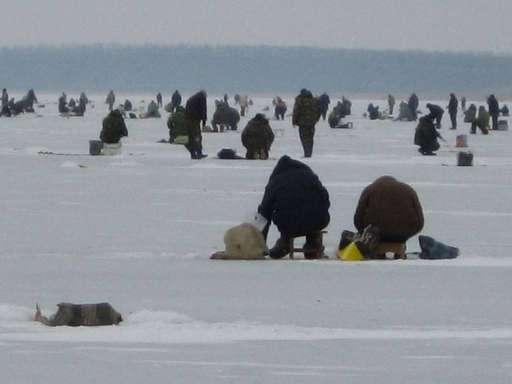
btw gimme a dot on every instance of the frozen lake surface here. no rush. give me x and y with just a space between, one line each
137 229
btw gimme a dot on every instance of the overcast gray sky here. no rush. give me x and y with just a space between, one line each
447 25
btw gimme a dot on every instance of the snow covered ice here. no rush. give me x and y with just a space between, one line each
137 229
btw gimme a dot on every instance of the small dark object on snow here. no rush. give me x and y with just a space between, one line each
95 147
502 125
75 315
228 154
348 125
435 250
465 159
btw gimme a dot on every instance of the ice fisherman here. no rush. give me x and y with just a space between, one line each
426 136
257 138
494 110
63 104
175 101
391 103
178 133
280 108
373 112
298 204
152 111
306 113
393 207
114 128
481 121
437 113
413 104
195 117
110 100
387 215
453 107
323 102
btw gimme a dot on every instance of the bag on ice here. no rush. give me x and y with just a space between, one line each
432 249
95 147
228 154
243 242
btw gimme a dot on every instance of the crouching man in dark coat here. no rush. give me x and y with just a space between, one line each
437 113
257 137
426 136
393 207
113 128
298 204
195 115
75 315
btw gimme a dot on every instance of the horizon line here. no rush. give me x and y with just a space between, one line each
64 46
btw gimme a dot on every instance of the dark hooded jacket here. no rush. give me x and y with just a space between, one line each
453 105
324 101
426 134
435 110
257 134
393 207
470 114
373 111
113 128
175 99
128 106
413 103
195 108
63 108
494 108
5 111
295 199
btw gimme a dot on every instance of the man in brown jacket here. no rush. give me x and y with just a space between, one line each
393 207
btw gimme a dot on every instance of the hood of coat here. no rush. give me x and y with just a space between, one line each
287 164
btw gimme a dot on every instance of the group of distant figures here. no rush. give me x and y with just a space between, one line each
427 131
186 123
72 108
10 107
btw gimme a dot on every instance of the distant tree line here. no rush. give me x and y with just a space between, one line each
250 69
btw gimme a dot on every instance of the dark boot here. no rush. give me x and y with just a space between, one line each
309 152
308 149
280 249
191 150
313 248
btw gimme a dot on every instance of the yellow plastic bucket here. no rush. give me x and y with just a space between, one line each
350 253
